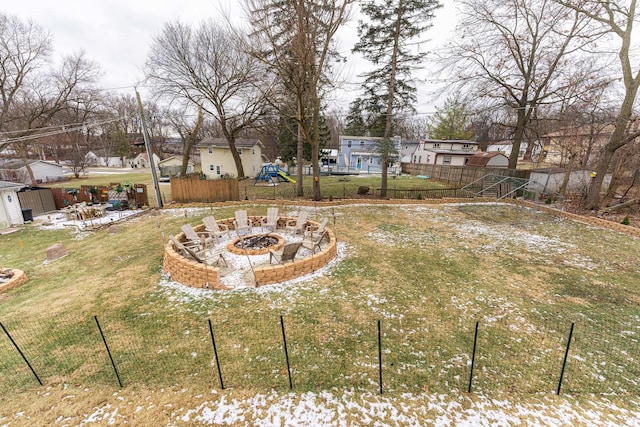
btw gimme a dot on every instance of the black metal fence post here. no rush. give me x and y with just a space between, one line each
380 354
286 352
566 355
21 353
104 340
215 353
473 357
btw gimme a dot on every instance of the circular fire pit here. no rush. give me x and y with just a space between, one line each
256 244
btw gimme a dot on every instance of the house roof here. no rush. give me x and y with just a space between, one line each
7 185
222 143
18 163
168 159
482 158
448 141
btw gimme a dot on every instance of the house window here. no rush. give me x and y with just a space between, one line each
446 160
210 150
466 146
414 158
253 151
420 159
349 144
370 160
218 170
428 158
436 145
362 143
210 167
239 150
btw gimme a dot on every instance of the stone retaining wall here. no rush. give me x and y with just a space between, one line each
19 277
196 275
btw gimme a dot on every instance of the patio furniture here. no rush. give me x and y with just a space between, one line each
297 225
312 230
242 223
270 222
287 253
196 238
314 242
208 257
216 230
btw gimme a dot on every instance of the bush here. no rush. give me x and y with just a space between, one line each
625 221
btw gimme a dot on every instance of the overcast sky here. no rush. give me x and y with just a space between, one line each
117 33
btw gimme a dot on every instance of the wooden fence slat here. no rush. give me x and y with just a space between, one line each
189 189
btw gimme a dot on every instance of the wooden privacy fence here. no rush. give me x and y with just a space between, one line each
460 175
194 189
39 200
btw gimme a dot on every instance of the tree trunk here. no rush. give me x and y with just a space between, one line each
191 142
517 138
299 160
567 175
23 155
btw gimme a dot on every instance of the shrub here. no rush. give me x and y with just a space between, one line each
625 221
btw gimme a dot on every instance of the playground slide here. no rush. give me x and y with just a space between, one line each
287 178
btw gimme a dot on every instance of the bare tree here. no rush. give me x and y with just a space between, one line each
33 92
189 133
296 40
521 54
617 18
209 67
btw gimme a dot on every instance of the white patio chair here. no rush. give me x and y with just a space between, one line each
242 223
209 256
295 226
270 222
312 230
216 230
195 238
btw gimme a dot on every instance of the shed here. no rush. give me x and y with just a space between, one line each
488 160
43 171
10 210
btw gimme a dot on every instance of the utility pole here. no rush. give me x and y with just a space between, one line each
147 144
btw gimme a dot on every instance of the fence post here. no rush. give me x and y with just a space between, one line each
566 355
286 352
104 340
473 357
380 355
215 353
21 353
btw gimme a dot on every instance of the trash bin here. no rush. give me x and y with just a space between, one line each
27 215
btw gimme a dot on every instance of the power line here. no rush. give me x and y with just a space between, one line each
53 133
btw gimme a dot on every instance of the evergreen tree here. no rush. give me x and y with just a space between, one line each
387 40
450 121
288 139
355 124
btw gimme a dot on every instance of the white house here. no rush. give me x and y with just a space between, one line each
506 146
217 160
14 170
10 210
104 158
171 166
407 148
444 152
142 161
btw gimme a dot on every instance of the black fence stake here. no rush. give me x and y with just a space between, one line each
215 353
473 357
21 353
113 363
566 355
380 355
286 352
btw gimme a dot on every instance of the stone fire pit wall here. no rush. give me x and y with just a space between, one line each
194 274
19 277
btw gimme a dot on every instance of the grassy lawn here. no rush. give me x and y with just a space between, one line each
331 186
427 272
